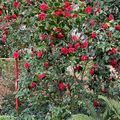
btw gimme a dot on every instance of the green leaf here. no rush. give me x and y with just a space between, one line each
81 117
112 104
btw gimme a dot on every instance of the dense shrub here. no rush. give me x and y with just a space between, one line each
72 46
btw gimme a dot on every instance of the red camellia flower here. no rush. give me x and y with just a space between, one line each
16 55
29 2
70 45
41 76
71 50
117 27
74 37
88 9
93 35
16 4
64 51
67 14
77 45
74 15
84 57
8 17
91 71
42 16
78 68
39 54
43 6
43 37
113 50
114 63
60 35
14 16
0 12
52 37
97 10
52 44
96 103
110 17
104 26
26 65
68 8
84 44
61 86
33 85
66 3
46 64
59 12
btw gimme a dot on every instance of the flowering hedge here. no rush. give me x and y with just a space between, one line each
71 48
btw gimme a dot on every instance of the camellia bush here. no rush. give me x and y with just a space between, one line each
71 53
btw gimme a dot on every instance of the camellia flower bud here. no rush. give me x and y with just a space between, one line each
46 64
60 35
16 55
26 65
33 85
41 76
113 50
104 26
64 51
96 103
84 57
88 9
39 54
16 4
61 86
110 17
42 16
93 35
117 27
43 6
